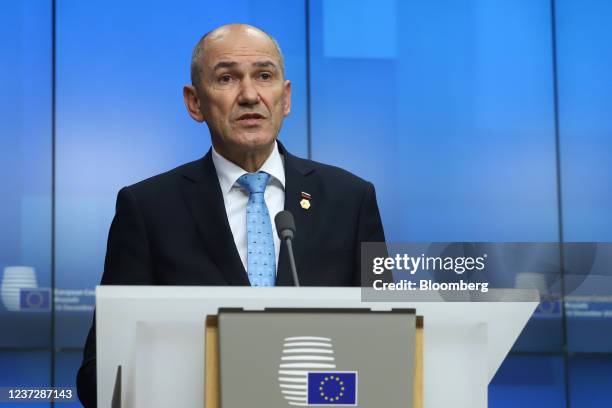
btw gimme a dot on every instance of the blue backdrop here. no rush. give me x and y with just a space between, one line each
476 120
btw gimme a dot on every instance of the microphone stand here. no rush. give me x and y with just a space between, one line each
292 261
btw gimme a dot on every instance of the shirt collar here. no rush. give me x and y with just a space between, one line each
229 172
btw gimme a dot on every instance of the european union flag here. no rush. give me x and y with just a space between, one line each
332 388
35 299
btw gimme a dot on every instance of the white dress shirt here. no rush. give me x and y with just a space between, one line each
236 198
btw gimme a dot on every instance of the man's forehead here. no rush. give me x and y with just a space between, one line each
241 53
244 45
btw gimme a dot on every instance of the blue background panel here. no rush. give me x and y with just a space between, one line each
25 159
585 102
590 381
585 127
455 127
23 369
25 329
529 382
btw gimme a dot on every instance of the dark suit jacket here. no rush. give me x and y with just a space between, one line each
172 229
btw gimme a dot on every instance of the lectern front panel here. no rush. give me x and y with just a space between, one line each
281 359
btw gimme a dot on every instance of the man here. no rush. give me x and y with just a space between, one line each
210 222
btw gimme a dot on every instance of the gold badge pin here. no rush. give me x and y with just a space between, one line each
305 204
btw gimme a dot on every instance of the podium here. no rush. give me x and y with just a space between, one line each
156 334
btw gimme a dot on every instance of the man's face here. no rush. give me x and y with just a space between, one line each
243 95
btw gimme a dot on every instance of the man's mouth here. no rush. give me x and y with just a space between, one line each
250 119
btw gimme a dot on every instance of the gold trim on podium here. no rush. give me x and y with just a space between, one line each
211 363
417 386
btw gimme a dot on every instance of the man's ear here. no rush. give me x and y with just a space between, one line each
192 103
287 98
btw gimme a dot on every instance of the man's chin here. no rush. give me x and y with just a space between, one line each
255 142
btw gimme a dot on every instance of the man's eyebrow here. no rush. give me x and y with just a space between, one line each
233 64
225 64
264 64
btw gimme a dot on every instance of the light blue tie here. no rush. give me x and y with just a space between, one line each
261 258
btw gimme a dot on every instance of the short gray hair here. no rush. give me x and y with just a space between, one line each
198 53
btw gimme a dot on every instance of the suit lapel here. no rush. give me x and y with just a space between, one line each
203 195
296 182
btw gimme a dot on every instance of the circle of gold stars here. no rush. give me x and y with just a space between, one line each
335 397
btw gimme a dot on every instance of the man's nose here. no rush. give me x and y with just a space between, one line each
248 93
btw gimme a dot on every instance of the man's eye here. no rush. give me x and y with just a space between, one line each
266 76
225 79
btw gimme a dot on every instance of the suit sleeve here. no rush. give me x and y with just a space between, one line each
370 229
128 262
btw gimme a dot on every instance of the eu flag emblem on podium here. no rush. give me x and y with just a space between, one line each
332 388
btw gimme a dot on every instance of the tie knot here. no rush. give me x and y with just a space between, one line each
254 182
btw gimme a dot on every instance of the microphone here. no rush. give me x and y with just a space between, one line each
285 227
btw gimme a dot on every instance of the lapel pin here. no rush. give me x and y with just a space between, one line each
305 202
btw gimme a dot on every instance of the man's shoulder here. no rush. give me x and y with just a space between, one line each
336 176
167 180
